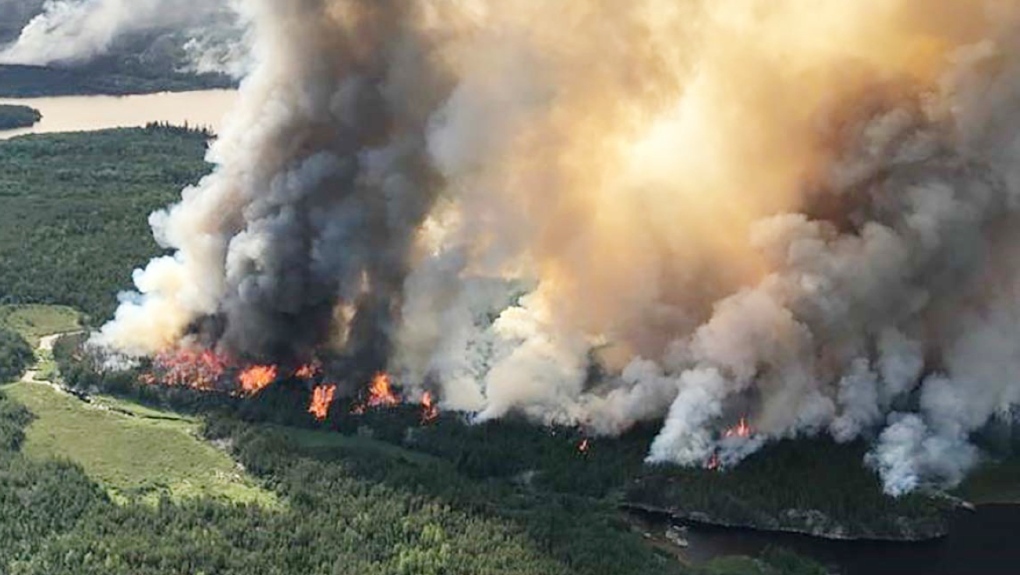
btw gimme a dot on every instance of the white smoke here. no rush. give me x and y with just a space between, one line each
602 214
834 334
68 31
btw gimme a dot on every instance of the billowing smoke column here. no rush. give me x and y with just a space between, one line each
601 213
69 31
303 234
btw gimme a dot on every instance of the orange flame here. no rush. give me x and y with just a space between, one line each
585 446
380 394
429 409
322 398
187 367
256 378
742 430
307 371
713 463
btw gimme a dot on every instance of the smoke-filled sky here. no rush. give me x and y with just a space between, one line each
600 213
74 31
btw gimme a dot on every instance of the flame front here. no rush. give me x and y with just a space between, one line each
322 398
256 378
188 367
429 409
742 430
584 446
380 394
307 371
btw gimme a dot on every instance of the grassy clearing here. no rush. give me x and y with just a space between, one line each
143 454
35 321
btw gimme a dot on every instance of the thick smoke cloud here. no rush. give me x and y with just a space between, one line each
604 213
302 235
70 31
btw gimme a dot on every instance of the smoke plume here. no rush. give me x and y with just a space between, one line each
603 213
71 31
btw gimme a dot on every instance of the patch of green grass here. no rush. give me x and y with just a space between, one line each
138 410
45 367
36 321
736 565
146 455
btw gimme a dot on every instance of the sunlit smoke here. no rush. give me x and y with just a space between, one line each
599 214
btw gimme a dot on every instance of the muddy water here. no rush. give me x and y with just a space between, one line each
205 108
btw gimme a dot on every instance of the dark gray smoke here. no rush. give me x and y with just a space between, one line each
303 234
601 213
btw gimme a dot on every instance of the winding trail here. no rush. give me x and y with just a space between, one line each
46 344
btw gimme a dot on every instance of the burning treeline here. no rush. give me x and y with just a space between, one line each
209 372
598 213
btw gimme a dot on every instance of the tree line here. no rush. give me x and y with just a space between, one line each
74 207
13 117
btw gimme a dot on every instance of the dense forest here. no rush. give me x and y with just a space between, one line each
12 117
802 485
816 476
347 511
73 223
349 505
15 355
103 77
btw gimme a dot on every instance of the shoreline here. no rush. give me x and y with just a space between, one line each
699 519
66 114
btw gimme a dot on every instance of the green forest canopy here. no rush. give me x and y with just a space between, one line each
12 117
74 207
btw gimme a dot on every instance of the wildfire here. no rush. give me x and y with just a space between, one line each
256 378
713 463
742 430
307 371
322 398
205 370
187 367
585 446
429 409
380 394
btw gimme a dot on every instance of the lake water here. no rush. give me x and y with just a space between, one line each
205 108
983 542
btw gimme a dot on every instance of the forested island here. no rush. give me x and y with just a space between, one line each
13 117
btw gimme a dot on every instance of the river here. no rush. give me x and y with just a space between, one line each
205 108
982 542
